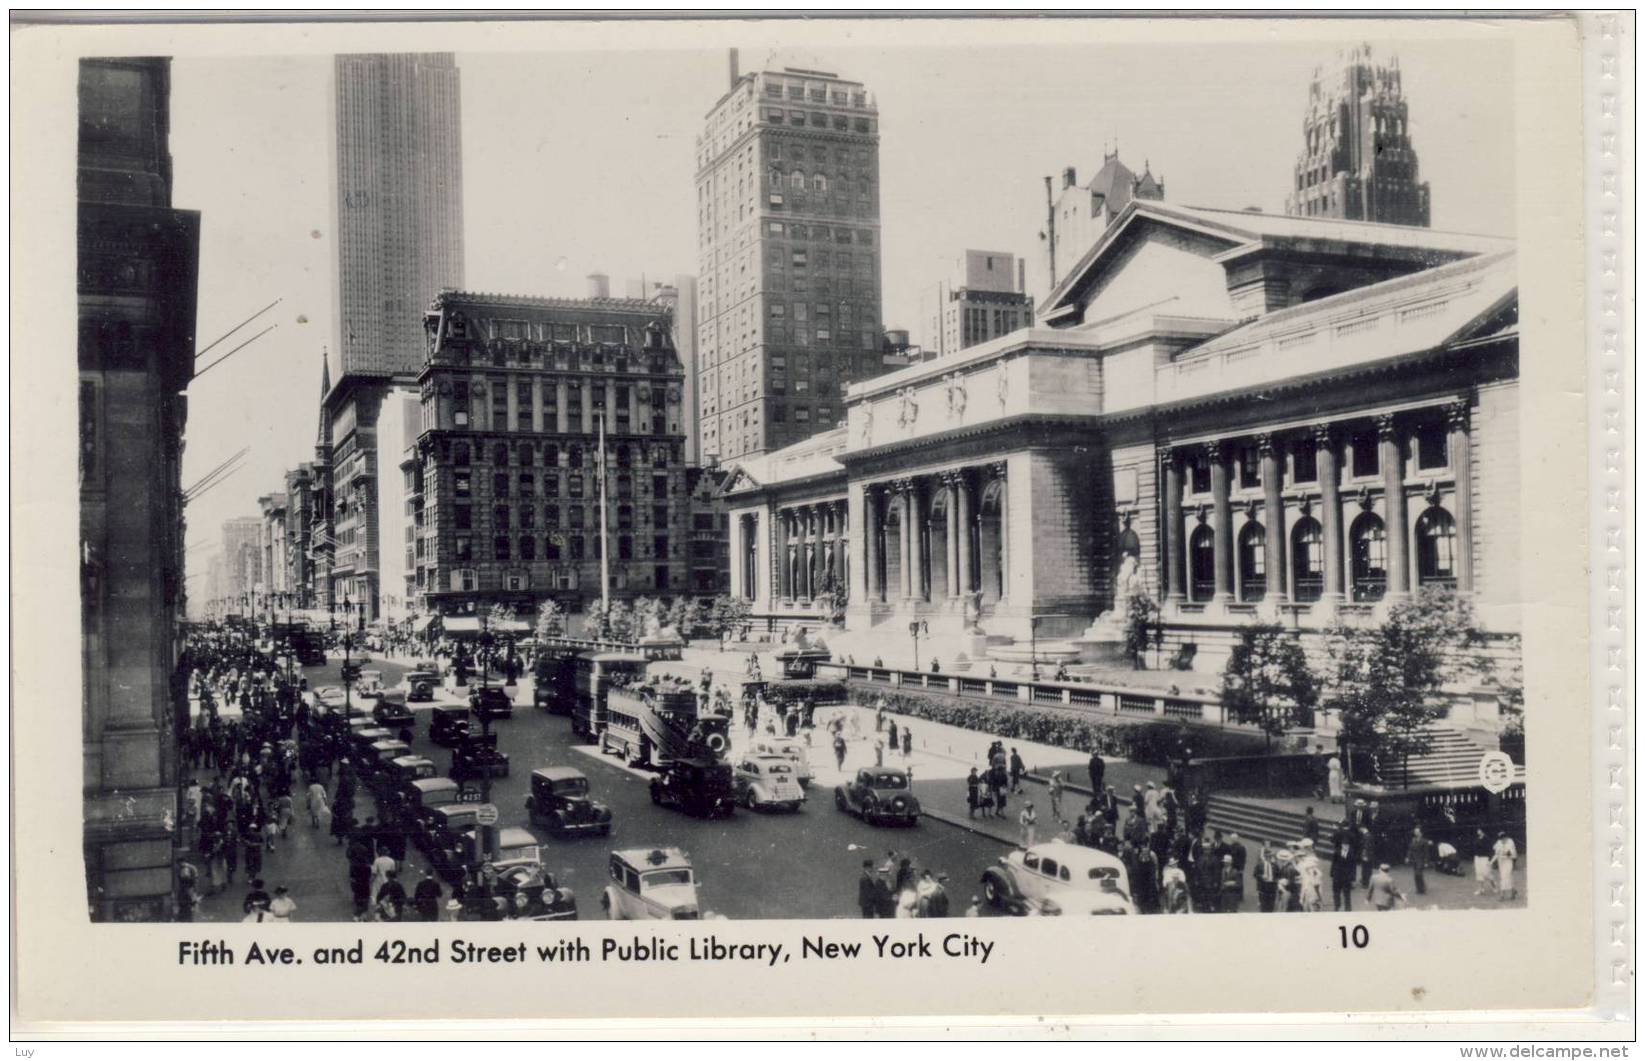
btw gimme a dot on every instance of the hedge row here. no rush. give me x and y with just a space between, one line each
1154 743
818 692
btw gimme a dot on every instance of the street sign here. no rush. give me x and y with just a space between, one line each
1496 772
470 794
486 814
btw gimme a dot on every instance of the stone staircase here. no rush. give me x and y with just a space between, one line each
1256 819
1452 759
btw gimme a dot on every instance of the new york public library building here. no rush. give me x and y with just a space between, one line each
1246 416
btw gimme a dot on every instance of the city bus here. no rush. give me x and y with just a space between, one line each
593 674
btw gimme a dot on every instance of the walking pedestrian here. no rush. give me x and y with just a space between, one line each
1380 893
317 808
972 784
839 751
868 890
1174 883
1097 767
1231 886
1017 770
1029 824
283 905
891 731
1417 854
1267 877
1482 850
1504 853
907 742
426 899
1053 790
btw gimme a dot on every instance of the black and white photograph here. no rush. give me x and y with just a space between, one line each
802 478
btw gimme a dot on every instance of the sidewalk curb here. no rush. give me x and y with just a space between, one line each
966 824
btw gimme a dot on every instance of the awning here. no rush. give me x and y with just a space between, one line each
419 624
470 624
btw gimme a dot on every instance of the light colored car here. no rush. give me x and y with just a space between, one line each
768 781
1058 878
651 885
791 748
370 683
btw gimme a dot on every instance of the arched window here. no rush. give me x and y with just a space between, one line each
796 181
1368 552
776 179
499 456
819 183
1202 565
1308 560
1253 566
574 457
1436 548
551 455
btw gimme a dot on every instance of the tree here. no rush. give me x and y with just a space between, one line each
615 622
1267 680
682 615
550 619
728 613
1140 615
1388 682
645 613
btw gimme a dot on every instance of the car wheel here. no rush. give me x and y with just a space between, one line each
839 800
991 892
656 794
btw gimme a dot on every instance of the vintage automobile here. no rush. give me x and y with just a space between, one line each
553 686
392 713
1058 878
408 768
559 802
701 787
651 885
370 684
421 681
328 698
378 764
478 756
362 739
879 794
426 795
490 701
791 748
514 882
445 836
448 726
764 781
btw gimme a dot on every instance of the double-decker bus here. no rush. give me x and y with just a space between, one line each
592 675
657 721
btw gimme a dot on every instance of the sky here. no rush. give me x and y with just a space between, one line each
583 162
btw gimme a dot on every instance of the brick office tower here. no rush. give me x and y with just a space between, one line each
503 483
137 268
1357 162
788 223
399 241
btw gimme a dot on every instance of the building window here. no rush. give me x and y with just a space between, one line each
464 549
499 484
500 548
1253 584
528 484
551 516
459 454
528 548
1436 548
574 516
551 548
659 546
1304 463
1368 547
1308 560
499 516
462 484
625 517
462 517
551 485
1432 452
1199 475
659 515
465 580
660 576
1202 564
625 547
1249 462
1365 457
576 547
659 487
499 455
574 486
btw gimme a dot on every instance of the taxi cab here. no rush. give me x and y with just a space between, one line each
768 781
790 748
656 884
1058 878
448 726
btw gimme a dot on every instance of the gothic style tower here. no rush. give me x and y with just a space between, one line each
1357 161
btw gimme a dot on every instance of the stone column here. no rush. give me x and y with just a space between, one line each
873 585
842 536
561 414
1224 510
779 588
962 500
917 543
1273 512
1461 455
1330 503
1171 538
906 539
1393 488
999 471
955 528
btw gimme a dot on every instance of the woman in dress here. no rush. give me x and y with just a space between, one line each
1505 854
1333 779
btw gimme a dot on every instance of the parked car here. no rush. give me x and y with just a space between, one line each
363 738
408 768
1058 878
478 756
701 787
651 885
448 726
791 748
392 713
768 781
560 802
879 794
490 701
426 795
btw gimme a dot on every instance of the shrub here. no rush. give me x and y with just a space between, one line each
818 692
1154 743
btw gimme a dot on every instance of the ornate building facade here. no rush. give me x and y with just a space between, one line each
1242 415
137 268
503 482
1357 162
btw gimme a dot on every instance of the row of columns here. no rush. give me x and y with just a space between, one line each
960 515
1391 444
811 539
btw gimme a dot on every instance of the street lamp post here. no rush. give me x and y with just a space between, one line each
1034 647
916 630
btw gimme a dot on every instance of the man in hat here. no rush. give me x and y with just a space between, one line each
1096 768
869 886
283 905
1417 854
426 898
1381 893
884 894
1266 873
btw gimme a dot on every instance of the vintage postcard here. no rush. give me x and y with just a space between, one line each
582 522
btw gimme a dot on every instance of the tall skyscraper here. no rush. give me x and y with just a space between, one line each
788 222
984 299
399 204
1357 162
399 243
